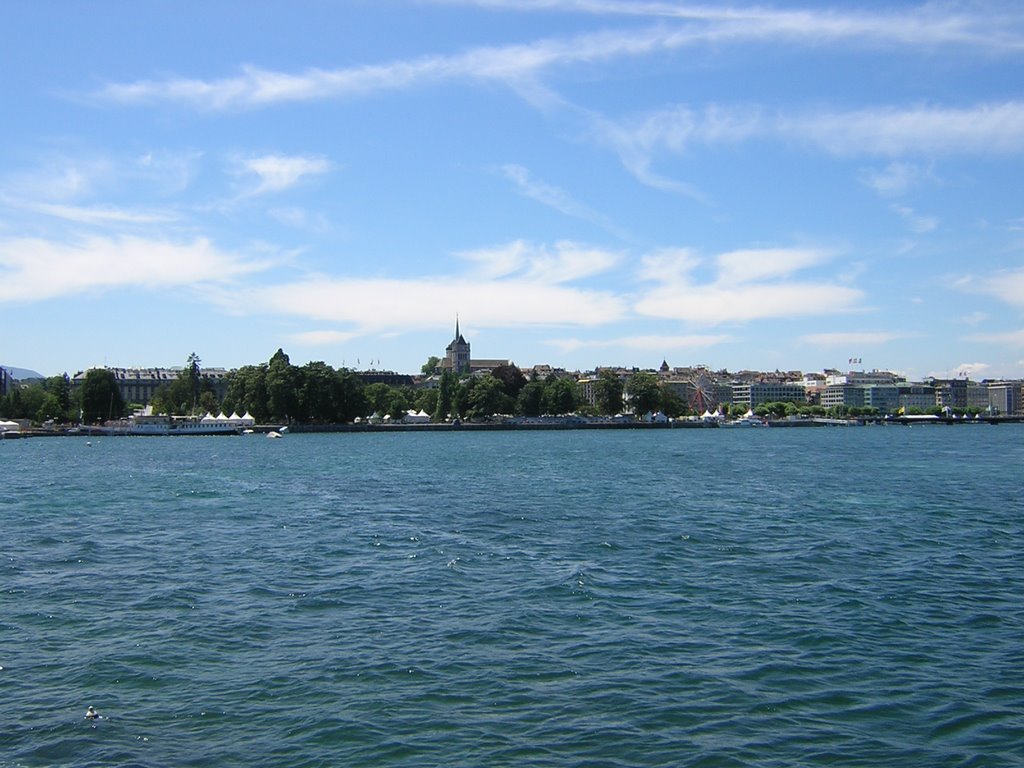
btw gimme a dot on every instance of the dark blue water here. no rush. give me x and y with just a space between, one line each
672 598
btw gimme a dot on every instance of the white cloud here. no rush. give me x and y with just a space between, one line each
97 214
882 131
300 218
1006 285
679 26
36 269
896 178
565 262
752 265
981 129
556 198
964 370
276 173
926 25
744 288
403 304
917 223
321 338
644 343
1008 338
852 339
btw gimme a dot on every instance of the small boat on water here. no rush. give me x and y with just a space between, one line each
745 421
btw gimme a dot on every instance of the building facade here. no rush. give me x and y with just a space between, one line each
138 385
1004 398
6 382
756 393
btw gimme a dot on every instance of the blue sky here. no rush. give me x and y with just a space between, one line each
585 182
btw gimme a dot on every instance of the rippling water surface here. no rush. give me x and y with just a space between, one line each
666 598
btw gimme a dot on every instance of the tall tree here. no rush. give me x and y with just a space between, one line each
608 390
644 392
316 398
192 376
430 366
560 396
530 400
445 397
101 398
247 392
282 395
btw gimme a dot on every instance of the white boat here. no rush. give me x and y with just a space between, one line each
745 421
177 425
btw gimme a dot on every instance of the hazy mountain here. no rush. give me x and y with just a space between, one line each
21 373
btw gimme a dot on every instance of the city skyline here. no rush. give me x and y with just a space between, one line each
583 182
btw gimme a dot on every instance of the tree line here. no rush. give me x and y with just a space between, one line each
315 393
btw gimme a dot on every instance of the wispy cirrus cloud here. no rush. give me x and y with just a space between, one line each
680 26
95 214
980 129
995 27
747 285
917 131
556 198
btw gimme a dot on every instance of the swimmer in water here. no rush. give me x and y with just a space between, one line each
92 714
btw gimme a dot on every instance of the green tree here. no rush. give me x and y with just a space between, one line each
349 399
560 396
445 397
60 388
608 390
49 409
531 399
426 400
379 397
247 392
192 378
644 393
430 366
511 378
282 387
672 405
485 396
317 393
101 399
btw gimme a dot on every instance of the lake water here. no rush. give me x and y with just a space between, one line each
845 596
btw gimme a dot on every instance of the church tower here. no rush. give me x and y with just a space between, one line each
456 354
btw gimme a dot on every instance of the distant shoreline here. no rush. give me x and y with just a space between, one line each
262 429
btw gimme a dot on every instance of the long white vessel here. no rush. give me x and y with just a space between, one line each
178 425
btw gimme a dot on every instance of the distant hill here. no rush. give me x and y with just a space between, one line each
21 373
